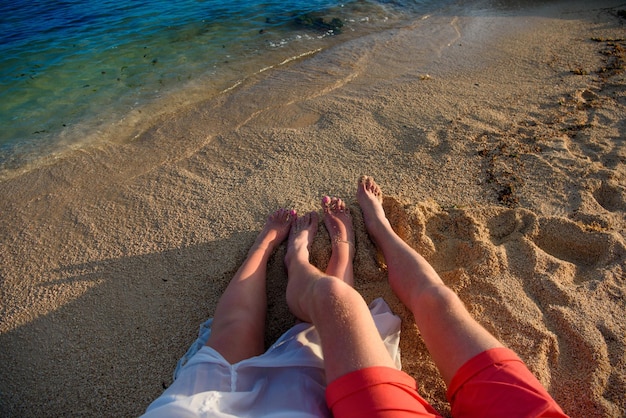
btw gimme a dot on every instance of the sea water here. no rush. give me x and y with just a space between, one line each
71 69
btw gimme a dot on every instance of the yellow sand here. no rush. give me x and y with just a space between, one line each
501 155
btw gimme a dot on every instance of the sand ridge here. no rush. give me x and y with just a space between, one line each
501 155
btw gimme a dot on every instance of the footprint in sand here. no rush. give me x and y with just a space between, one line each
611 197
567 241
550 289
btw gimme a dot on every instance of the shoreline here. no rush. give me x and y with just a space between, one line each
136 101
500 152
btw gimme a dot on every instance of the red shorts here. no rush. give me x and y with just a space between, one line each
495 383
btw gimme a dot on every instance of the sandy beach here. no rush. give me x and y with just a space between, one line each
500 150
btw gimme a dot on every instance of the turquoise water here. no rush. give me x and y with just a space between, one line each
69 70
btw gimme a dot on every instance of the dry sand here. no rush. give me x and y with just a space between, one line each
500 149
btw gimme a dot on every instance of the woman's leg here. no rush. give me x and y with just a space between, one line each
350 340
338 222
238 325
450 333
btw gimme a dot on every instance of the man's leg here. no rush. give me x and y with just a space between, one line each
238 325
350 340
450 333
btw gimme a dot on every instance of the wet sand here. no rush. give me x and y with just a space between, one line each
500 150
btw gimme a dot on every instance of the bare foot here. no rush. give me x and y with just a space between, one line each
338 221
370 198
299 268
275 230
301 237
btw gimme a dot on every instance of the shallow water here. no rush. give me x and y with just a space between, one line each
70 70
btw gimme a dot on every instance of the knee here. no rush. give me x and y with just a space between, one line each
437 298
332 295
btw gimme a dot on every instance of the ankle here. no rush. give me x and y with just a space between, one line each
294 256
379 229
264 249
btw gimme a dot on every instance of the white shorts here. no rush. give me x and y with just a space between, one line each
286 381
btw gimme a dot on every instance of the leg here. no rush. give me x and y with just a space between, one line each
338 222
350 340
451 335
238 326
